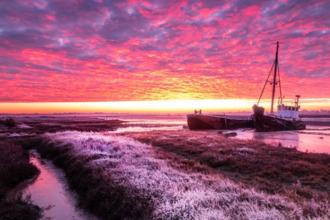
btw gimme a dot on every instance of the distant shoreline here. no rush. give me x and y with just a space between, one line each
314 116
302 115
319 123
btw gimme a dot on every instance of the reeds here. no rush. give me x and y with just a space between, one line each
14 169
254 163
14 166
117 178
19 207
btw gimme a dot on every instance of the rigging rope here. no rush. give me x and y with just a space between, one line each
266 83
279 82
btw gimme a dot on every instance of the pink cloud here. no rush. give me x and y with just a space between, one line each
155 50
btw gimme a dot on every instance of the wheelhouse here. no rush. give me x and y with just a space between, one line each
289 112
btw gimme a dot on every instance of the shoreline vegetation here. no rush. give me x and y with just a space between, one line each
188 175
254 163
176 174
42 125
15 168
51 124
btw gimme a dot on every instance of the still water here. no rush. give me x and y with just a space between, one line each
314 139
306 141
51 188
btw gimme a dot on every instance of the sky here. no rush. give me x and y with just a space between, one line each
57 51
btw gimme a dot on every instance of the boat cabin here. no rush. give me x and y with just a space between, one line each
290 112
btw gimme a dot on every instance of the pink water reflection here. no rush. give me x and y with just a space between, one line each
305 141
50 188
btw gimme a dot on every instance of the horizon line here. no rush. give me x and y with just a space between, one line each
155 106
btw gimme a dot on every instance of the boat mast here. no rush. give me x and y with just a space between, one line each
274 81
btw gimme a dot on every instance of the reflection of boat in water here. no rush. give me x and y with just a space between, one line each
287 117
201 121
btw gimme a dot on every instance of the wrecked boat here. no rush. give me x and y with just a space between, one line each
199 121
287 117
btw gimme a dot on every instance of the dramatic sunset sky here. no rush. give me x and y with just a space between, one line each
108 54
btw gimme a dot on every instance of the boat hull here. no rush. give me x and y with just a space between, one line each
265 123
212 122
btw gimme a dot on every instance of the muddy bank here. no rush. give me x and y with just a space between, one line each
14 169
183 175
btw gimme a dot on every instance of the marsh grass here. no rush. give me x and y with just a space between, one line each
117 177
98 193
248 161
18 207
52 125
14 169
14 166
9 122
276 170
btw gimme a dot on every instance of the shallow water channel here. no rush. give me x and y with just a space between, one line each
51 188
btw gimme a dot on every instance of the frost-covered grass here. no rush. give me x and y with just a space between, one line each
246 150
137 180
267 168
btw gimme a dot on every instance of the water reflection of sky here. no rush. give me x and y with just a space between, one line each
50 188
143 129
305 142
145 121
313 139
